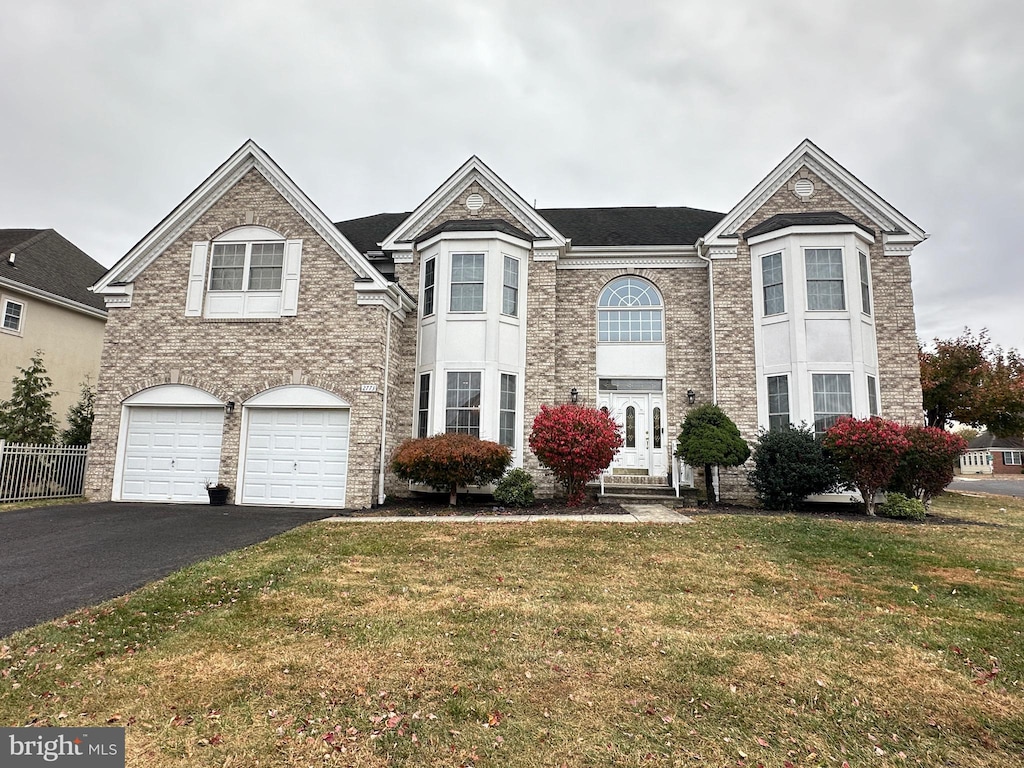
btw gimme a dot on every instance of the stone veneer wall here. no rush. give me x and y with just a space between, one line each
331 343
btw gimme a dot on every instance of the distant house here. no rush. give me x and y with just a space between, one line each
987 454
45 304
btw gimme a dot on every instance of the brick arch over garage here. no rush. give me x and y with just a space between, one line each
134 387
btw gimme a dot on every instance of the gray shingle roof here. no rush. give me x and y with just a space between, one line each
988 440
46 261
641 225
476 225
811 218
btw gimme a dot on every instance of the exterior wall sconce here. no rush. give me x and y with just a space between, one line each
691 396
229 407
574 395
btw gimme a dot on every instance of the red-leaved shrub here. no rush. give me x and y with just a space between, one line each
576 443
446 461
867 452
926 467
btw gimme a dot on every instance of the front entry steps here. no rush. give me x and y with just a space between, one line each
634 488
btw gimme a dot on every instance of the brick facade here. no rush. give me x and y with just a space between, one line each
337 345
333 343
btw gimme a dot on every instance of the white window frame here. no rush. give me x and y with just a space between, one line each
509 290
470 408
1012 458
864 265
653 314
507 412
482 282
429 286
7 302
766 285
246 267
774 414
815 280
423 406
873 409
833 414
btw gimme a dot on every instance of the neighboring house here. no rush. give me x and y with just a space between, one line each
253 341
987 454
45 304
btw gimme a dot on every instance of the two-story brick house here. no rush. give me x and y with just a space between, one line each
252 340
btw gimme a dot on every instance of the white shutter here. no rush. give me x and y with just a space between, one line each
290 281
196 280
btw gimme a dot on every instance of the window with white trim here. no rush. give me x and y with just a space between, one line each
428 287
423 407
825 289
1012 457
507 411
13 315
629 309
833 398
246 266
467 287
873 396
771 284
865 284
510 287
778 402
462 403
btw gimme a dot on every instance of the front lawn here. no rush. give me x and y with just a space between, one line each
737 640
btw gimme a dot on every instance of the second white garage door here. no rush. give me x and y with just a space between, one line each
296 457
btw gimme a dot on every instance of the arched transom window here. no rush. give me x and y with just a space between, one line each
629 310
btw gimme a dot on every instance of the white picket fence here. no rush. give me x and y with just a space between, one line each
41 471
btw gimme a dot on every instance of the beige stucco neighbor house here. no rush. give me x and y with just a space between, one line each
46 305
254 341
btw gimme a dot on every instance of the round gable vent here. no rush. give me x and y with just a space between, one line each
475 202
804 188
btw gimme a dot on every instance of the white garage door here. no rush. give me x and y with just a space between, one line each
170 453
296 456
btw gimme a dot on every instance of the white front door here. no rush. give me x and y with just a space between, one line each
641 420
171 453
296 457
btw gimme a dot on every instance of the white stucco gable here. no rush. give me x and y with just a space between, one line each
899 232
474 172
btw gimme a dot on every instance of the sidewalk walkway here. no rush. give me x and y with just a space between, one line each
637 513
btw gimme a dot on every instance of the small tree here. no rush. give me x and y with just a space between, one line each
576 443
926 467
789 465
867 452
446 461
80 418
28 416
710 439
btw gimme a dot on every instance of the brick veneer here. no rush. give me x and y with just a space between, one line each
332 342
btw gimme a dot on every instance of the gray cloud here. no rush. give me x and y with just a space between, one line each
114 112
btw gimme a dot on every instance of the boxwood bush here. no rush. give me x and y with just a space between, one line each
515 489
789 465
899 507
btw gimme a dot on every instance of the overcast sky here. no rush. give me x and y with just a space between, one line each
112 112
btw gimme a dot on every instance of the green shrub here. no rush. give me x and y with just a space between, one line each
789 465
899 507
515 489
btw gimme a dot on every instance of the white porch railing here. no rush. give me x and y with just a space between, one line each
682 474
41 471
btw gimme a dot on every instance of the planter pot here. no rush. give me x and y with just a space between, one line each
218 496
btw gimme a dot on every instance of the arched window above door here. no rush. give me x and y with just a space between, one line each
629 310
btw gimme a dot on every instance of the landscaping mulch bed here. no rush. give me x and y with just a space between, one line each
427 504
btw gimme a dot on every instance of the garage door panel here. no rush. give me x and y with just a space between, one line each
170 453
296 456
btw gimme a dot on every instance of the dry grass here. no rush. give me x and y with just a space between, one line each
738 640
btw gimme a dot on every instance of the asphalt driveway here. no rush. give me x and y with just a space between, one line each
56 559
1002 485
